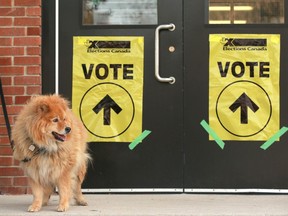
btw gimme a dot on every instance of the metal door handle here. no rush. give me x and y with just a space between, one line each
170 27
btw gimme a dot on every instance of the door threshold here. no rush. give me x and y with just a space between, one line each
134 190
248 190
181 190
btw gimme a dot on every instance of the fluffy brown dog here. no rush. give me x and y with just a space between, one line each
50 143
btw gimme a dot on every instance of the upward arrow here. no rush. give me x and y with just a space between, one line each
244 101
107 103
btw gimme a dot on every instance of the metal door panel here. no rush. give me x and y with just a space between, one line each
157 162
178 153
241 164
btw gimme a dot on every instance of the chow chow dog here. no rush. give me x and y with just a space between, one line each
50 143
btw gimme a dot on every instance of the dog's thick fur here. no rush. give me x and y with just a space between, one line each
50 143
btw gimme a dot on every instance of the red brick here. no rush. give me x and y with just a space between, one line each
33 50
5 144
21 99
12 90
6 161
33 11
27 2
12 12
11 51
13 190
6 151
11 70
33 31
5 41
27 80
12 31
24 41
5 61
20 181
3 130
32 90
28 60
4 141
16 163
2 121
13 110
6 21
35 21
6 2
6 80
8 100
6 181
11 171
29 191
33 70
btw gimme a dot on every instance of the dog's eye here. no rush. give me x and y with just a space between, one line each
55 120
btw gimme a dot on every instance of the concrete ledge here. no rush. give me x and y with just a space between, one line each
156 204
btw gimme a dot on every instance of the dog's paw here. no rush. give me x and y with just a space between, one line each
62 208
45 203
34 208
81 202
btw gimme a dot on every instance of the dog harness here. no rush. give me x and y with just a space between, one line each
36 151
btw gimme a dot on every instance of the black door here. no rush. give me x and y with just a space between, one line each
157 161
242 163
185 150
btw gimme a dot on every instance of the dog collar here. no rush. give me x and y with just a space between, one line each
36 150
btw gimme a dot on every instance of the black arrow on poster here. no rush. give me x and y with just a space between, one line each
107 103
244 101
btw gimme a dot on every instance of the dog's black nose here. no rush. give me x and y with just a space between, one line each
67 130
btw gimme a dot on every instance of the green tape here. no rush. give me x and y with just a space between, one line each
139 139
212 133
276 136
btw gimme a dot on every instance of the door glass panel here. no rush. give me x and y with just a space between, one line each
119 12
246 11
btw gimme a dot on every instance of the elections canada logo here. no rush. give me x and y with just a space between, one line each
244 44
98 46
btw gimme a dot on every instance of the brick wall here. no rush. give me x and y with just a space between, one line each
20 71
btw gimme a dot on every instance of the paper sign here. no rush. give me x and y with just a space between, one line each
244 86
108 86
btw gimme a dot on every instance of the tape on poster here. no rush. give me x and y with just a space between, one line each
276 136
139 139
211 132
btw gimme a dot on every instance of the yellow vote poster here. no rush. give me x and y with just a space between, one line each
108 86
244 86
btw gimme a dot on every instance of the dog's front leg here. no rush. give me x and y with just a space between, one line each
37 192
48 190
77 181
64 186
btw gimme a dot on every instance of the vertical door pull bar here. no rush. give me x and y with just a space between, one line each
170 27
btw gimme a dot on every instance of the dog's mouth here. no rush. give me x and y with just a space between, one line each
59 137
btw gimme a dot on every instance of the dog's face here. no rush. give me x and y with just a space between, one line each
53 120
57 124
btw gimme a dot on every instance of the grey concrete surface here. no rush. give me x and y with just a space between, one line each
156 204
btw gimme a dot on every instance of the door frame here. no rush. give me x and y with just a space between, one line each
51 62
49 48
206 29
50 53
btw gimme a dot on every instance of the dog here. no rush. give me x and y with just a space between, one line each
50 143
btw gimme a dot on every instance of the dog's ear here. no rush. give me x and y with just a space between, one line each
43 108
